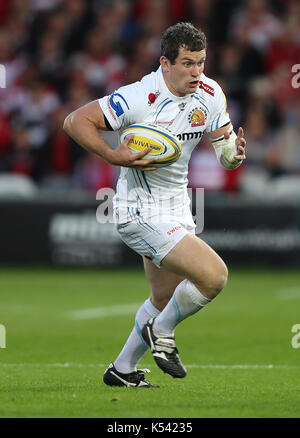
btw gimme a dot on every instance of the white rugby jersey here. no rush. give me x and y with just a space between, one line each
150 100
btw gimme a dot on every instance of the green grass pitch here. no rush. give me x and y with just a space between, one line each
63 329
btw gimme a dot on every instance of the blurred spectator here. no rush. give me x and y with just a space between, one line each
43 5
14 63
206 172
143 61
255 24
177 10
50 61
155 21
3 10
259 137
5 140
284 155
93 173
114 19
64 153
21 159
261 98
79 17
61 54
78 92
285 48
234 105
200 13
61 146
38 104
102 68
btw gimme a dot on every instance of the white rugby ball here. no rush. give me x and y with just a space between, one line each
165 146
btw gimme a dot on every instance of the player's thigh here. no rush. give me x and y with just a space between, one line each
162 283
193 259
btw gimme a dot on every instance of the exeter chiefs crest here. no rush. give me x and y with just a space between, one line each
197 117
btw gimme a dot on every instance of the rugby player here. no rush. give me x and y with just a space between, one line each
184 273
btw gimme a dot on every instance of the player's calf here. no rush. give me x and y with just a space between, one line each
193 259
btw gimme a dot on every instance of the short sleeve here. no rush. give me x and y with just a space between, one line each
122 106
219 115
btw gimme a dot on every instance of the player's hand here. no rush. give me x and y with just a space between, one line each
240 145
122 156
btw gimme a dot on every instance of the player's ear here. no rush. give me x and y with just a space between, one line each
164 62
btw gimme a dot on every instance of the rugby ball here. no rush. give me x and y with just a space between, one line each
165 146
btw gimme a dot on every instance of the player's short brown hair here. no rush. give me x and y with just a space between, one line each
182 35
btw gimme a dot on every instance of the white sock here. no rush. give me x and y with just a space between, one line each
135 346
186 301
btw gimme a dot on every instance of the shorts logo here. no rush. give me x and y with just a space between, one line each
173 230
115 103
197 117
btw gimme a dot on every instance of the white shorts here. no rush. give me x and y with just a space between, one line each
154 236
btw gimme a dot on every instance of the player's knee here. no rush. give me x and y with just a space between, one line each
215 281
220 280
223 279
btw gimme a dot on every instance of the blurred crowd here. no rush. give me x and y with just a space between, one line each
61 54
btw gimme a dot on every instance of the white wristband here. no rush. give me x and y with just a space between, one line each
226 150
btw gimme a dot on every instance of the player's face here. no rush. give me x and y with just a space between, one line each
183 77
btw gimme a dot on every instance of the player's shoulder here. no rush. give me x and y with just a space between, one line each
129 103
150 81
134 97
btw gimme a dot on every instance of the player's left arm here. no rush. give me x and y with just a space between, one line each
230 148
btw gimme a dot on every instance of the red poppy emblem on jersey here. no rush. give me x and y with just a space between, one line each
151 97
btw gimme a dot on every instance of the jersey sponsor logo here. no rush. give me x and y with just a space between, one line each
169 122
173 230
189 135
182 105
207 88
197 117
115 101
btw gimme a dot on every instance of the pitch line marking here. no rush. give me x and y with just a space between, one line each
103 312
288 293
100 365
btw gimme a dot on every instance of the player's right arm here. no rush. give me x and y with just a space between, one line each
84 124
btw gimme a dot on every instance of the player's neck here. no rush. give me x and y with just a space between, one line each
170 86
